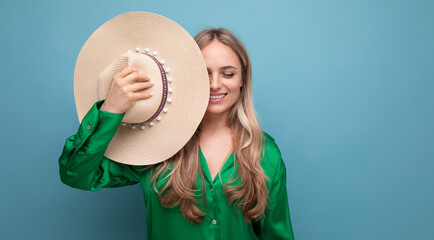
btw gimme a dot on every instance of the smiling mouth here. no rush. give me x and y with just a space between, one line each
218 96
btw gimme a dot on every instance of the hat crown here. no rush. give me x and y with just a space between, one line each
142 110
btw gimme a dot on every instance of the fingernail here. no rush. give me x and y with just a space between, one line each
152 82
151 93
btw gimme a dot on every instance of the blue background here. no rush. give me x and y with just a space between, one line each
345 87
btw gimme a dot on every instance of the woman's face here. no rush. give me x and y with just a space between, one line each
224 70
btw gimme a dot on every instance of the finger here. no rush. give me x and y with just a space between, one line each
138 86
141 77
142 95
126 71
135 77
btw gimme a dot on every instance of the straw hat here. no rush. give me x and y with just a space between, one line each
154 129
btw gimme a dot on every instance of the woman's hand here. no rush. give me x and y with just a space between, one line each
125 90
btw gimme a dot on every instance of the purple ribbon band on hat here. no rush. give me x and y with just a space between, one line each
165 87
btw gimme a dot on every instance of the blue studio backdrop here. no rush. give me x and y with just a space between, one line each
345 87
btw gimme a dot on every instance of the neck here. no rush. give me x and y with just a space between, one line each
214 123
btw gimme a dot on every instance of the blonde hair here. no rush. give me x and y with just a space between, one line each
177 176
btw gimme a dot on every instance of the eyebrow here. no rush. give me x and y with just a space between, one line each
225 67
228 66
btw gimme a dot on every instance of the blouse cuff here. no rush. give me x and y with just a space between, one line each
97 128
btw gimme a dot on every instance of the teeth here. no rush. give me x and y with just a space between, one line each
217 96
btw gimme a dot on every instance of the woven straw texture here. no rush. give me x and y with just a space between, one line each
190 83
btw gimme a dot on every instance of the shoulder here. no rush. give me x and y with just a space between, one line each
271 161
271 150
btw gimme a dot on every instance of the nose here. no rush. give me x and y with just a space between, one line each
214 81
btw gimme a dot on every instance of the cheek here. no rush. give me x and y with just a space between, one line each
238 86
236 91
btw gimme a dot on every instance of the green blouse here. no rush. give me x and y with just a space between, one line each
82 165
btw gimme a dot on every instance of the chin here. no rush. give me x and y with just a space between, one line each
216 110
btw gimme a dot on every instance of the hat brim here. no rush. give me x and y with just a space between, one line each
190 83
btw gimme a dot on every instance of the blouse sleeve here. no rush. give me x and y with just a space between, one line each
277 221
82 163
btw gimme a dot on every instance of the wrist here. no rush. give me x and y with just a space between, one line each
108 108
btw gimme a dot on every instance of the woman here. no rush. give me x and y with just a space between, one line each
227 182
